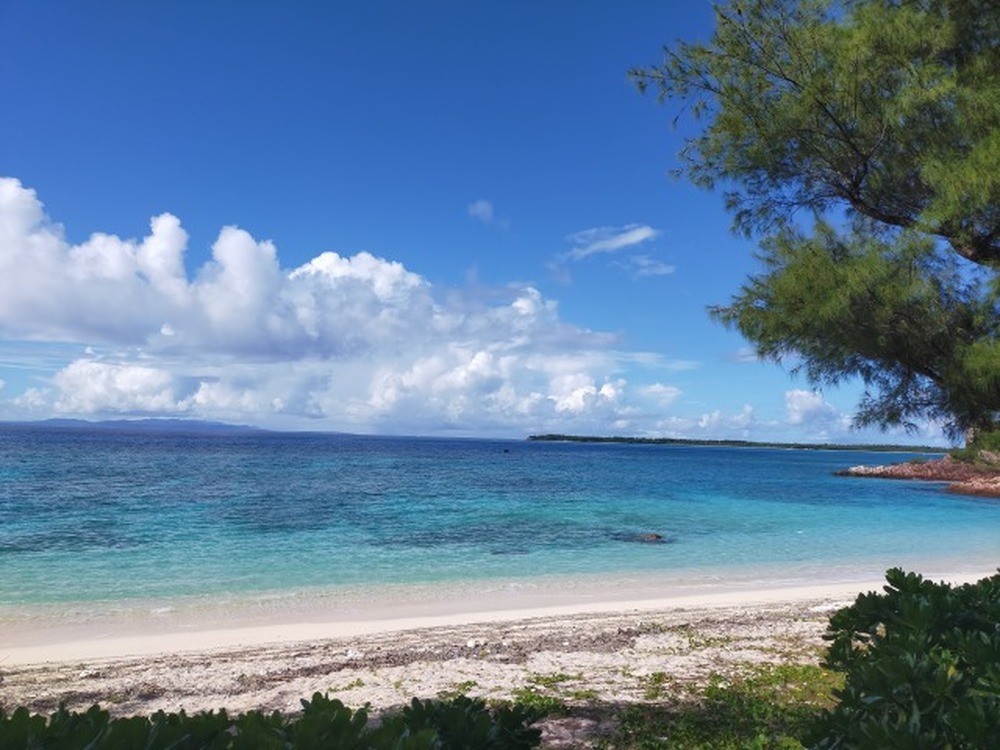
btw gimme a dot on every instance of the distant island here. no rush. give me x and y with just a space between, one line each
737 443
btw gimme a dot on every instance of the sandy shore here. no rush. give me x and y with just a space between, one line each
586 655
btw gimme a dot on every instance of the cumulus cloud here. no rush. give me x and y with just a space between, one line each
352 342
740 422
482 210
88 386
608 239
808 407
107 290
815 418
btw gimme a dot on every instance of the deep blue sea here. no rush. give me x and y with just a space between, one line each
96 515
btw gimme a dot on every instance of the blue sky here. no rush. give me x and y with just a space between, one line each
380 217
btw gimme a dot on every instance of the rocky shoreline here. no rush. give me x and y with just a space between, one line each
962 477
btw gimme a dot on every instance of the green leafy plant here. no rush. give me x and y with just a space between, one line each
324 723
921 664
468 723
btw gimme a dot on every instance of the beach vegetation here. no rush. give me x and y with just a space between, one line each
655 686
697 640
581 694
458 690
982 447
769 707
324 723
544 703
469 722
553 680
548 693
859 142
921 665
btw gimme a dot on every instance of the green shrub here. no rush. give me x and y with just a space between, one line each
423 725
985 444
921 667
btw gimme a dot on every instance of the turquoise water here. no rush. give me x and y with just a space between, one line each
89 515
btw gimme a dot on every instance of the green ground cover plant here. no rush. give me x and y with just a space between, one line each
454 724
769 708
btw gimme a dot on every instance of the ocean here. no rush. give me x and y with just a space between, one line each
93 517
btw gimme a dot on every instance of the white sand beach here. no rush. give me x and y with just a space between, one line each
89 643
583 652
596 651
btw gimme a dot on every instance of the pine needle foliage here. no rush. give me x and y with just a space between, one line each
880 118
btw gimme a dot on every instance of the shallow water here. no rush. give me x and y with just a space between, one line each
91 516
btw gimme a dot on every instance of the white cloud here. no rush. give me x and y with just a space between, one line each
103 289
111 326
341 342
642 265
816 419
713 425
31 401
482 210
86 387
718 423
661 393
656 361
804 407
608 239
745 354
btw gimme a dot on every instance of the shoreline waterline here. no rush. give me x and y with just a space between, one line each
85 632
136 544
